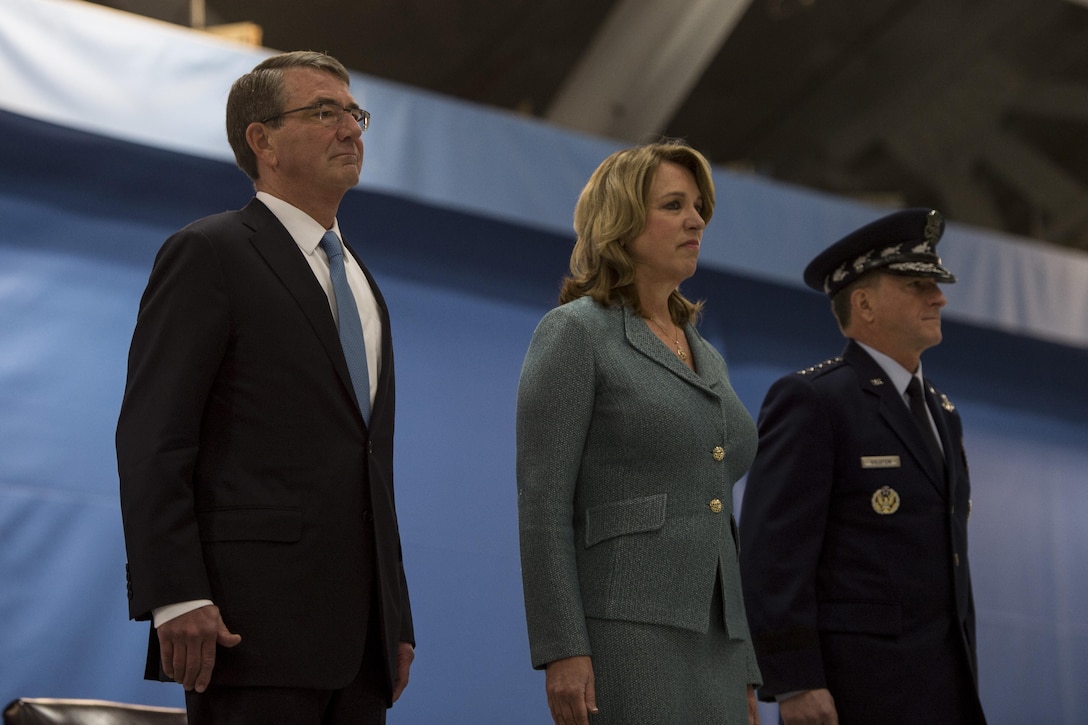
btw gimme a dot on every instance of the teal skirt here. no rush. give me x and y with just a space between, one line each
647 674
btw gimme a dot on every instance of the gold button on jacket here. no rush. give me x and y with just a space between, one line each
716 505
718 453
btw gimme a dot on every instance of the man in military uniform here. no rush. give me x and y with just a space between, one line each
854 522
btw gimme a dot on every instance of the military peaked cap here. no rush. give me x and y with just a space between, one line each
904 243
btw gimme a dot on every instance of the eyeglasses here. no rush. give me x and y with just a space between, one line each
328 114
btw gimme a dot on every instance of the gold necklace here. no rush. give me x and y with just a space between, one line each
675 338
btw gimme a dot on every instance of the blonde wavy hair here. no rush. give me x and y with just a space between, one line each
611 211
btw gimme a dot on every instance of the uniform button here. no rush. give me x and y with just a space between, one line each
956 559
370 447
718 453
716 505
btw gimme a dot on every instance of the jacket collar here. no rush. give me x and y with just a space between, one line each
643 339
894 411
279 250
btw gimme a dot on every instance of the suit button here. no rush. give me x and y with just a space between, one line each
956 559
370 448
718 453
716 505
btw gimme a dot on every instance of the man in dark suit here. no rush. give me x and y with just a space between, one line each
255 449
854 519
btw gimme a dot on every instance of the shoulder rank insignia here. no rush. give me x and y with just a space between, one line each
820 366
885 501
946 403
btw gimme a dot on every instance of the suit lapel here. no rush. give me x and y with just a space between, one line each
386 370
646 342
282 255
893 410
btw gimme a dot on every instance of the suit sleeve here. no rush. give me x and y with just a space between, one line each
177 348
783 519
554 409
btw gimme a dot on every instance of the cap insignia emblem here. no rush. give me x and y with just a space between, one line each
933 226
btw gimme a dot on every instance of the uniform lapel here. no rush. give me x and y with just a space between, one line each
894 411
937 410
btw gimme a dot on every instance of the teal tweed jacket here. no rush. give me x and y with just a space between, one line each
626 461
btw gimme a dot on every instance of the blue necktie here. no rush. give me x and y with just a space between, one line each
351 327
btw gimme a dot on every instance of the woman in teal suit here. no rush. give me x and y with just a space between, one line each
629 441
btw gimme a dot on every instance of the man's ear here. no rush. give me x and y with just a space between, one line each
260 142
861 301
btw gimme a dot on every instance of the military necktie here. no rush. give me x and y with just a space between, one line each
921 417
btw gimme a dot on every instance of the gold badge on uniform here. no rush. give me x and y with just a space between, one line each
885 501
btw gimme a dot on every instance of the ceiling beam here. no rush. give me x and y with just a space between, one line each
1062 100
642 65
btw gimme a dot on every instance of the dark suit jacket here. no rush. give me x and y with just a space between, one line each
247 474
877 607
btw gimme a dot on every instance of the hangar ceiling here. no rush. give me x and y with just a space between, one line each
976 107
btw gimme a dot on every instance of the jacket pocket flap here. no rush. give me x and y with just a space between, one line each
884 618
251 523
632 516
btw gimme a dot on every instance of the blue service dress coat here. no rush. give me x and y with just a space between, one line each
854 548
626 461
247 473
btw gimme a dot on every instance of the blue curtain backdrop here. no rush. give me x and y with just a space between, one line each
83 211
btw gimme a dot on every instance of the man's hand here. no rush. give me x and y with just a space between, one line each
569 684
405 655
813 707
188 644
